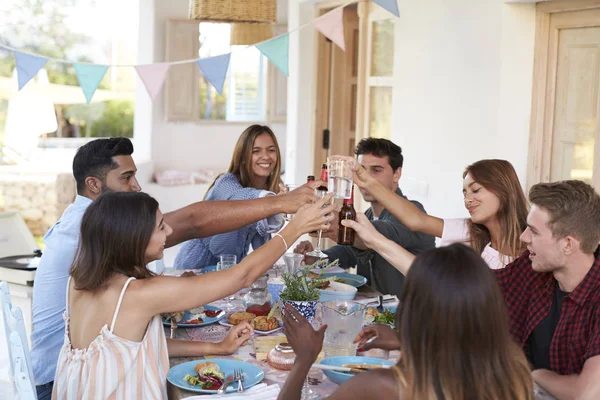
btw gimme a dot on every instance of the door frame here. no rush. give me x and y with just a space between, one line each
544 86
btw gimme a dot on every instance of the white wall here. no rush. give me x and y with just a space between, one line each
463 92
183 146
463 81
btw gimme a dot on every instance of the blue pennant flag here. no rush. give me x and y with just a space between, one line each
27 67
215 70
89 77
277 51
390 5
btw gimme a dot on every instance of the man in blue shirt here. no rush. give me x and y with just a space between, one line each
106 165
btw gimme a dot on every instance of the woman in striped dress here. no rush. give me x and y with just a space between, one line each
115 346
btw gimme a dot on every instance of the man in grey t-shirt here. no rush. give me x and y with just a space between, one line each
383 159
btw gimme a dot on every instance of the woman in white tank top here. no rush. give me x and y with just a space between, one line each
115 345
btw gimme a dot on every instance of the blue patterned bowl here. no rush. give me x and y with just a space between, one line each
306 308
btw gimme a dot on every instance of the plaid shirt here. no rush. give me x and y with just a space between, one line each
529 295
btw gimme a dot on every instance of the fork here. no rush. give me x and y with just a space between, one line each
239 377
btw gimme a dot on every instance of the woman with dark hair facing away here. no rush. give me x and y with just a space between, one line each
115 344
452 331
254 172
493 197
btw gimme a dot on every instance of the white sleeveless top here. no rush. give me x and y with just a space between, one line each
113 367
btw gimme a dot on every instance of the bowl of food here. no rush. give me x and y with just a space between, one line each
386 317
333 290
357 365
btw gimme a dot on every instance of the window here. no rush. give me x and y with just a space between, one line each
251 83
243 93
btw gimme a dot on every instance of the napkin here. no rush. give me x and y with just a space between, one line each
374 301
258 392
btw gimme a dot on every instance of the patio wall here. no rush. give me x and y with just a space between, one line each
463 82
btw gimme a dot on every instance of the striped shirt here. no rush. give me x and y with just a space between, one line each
113 367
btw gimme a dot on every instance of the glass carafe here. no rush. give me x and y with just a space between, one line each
344 321
258 300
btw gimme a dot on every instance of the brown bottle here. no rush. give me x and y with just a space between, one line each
310 178
345 234
324 179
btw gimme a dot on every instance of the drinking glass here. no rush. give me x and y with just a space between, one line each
340 176
227 261
289 187
317 253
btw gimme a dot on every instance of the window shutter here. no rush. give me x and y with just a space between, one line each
182 87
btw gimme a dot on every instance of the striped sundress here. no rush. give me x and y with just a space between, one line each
112 367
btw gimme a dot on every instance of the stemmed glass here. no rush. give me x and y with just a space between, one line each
317 253
227 261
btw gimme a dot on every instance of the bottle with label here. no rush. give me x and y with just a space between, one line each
324 179
345 234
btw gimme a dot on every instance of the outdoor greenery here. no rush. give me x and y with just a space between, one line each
42 27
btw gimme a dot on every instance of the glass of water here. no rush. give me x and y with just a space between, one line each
227 261
340 176
289 187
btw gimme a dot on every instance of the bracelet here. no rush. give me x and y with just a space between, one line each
284 242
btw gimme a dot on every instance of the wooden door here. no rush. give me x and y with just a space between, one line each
336 92
565 134
575 134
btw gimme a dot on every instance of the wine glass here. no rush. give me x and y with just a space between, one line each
226 261
317 252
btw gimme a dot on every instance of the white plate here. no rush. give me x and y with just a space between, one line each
225 323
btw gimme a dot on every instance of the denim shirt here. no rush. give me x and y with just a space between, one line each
49 290
199 253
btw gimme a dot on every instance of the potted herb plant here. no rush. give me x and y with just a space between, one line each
301 292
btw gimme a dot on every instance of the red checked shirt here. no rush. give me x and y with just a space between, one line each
529 295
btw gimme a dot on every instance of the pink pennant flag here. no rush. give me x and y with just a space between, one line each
153 77
332 26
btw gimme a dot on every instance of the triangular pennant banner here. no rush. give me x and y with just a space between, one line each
153 76
215 70
332 26
276 50
89 77
27 67
390 5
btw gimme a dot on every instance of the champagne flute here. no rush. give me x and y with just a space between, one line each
317 252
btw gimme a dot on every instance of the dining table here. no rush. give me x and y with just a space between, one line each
318 381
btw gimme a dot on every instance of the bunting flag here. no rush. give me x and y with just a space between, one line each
276 50
332 26
89 77
153 76
390 5
28 66
215 70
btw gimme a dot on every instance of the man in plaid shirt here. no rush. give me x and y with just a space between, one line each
552 291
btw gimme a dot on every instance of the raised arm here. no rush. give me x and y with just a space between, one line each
395 254
209 218
401 208
171 294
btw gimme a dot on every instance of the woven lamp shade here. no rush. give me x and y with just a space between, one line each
234 10
245 34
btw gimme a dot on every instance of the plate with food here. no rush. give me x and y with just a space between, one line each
199 316
262 325
341 277
387 317
356 364
208 376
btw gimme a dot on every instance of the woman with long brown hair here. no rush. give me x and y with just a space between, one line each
115 345
254 172
452 331
494 198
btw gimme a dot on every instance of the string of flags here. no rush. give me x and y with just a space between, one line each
214 69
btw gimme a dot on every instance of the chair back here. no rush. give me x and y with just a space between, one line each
23 380
14 325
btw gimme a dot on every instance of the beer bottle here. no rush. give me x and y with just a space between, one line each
324 179
345 234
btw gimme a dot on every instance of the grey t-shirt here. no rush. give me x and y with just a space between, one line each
381 274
